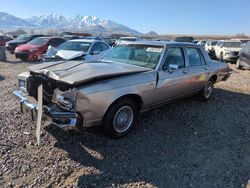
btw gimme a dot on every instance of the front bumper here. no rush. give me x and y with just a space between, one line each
53 114
230 57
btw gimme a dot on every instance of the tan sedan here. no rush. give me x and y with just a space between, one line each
133 77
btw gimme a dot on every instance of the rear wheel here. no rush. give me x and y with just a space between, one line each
120 118
238 66
207 91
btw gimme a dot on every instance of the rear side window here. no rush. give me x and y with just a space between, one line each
174 56
96 47
195 57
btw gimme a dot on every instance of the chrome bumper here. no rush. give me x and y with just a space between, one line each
64 120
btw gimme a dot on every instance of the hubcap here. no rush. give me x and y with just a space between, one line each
208 90
123 119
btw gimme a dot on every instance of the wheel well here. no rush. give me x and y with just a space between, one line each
136 98
213 78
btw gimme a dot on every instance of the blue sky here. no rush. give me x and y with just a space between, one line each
162 16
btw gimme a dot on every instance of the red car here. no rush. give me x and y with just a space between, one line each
4 39
35 49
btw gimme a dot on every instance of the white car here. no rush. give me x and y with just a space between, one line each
210 44
77 49
228 50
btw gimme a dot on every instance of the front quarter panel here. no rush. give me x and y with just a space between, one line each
94 99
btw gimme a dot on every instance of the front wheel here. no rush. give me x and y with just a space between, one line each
207 91
221 57
120 118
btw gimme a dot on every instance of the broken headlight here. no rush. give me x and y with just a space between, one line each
65 102
65 99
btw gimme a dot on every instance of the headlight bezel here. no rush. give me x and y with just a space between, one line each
65 99
22 84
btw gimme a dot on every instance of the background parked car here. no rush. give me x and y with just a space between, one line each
244 57
79 49
243 40
70 37
35 49
201 43
22 39
127 39
210 45
4 39
184 39
228 50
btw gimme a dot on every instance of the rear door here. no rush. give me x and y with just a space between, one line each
198 69
172 82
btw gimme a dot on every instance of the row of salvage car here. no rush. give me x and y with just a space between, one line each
46 48
230 50
131 78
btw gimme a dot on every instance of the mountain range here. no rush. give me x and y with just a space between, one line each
90 24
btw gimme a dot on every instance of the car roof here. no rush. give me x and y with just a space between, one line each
85 40
161 43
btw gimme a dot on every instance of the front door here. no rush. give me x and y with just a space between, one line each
172 82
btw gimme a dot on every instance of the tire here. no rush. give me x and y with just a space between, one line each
238 66
207 91
123 110
221 56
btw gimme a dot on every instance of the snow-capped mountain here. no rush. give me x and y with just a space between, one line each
55 21
9 21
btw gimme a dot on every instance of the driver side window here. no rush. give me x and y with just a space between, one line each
175 57
96 47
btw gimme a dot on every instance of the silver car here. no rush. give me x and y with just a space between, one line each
132 78
77 49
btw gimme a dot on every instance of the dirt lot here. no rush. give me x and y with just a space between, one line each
184 144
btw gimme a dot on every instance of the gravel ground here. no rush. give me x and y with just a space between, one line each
184 144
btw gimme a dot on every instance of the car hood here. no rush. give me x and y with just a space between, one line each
64 54
17 41
75 72
27 47
233 49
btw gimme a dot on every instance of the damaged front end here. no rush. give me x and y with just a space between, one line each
58 101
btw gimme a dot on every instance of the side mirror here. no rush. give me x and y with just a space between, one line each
172 67
95 52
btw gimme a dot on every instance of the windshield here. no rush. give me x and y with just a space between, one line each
75 46
39 41
213 43
23 37
136 54
233 44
